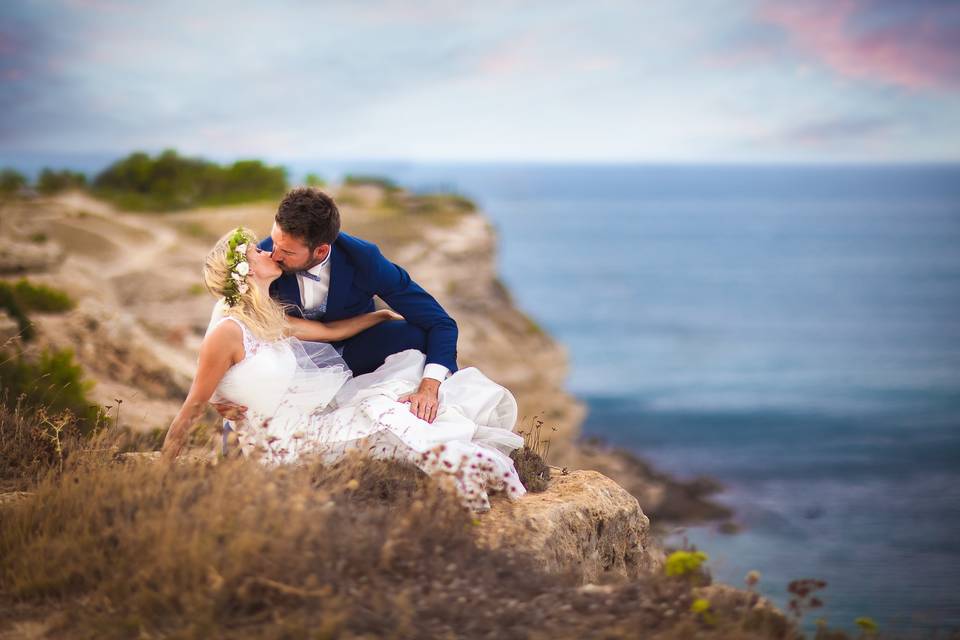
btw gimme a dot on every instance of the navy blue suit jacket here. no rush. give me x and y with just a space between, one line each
358 271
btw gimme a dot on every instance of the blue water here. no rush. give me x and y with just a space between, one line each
791 331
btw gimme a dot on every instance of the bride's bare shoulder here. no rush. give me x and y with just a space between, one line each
224 337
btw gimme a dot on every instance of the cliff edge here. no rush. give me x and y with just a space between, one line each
142 311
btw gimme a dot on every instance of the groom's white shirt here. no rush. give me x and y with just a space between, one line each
313 294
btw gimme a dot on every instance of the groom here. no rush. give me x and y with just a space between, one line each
329 275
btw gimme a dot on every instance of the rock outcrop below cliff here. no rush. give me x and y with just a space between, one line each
584 524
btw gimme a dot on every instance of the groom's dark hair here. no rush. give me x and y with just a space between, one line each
310 214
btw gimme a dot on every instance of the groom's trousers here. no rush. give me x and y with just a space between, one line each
368 349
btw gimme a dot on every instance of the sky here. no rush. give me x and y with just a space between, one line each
581 81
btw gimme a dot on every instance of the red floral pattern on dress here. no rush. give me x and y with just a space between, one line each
388 430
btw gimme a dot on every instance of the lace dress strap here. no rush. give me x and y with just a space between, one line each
251 344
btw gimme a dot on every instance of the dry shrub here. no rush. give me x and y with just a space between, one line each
205 550
533 471
233 549
33 442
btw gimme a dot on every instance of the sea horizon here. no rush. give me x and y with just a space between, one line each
90 163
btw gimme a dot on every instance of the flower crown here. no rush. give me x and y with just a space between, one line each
237 266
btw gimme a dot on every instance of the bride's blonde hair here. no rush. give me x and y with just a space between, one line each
254 308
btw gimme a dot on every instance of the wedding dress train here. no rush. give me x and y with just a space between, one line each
301 399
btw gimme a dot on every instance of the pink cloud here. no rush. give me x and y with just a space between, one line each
527 53
870 40
514 56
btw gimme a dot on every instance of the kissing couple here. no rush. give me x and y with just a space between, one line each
300 362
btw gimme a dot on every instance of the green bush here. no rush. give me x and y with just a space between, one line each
54 383
19 298
170 181
38 297
51 181
433 203
356 180
313 180
9 303
11 181
683 562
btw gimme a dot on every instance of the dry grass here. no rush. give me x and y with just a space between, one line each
232 549
32 443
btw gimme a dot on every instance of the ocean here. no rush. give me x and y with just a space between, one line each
792 331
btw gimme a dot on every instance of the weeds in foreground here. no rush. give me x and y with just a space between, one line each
688 564
531 459
52 382
110 547
235 549
802 599
33 442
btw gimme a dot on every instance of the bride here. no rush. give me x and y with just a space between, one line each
302 399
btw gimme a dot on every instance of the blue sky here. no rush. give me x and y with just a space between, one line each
598 80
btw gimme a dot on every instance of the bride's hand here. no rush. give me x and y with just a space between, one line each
388 314
230 411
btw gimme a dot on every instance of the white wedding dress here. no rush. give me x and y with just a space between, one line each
302 399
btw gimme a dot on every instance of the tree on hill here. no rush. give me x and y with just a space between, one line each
170 181
313 180
51 181
11 181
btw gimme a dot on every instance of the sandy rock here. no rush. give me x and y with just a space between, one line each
584 523
110 343
22 257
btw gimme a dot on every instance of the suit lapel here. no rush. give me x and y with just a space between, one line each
341 275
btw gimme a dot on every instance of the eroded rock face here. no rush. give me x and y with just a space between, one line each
584 524
111 344
20 257
664 498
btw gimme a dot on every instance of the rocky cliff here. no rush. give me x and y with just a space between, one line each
142 311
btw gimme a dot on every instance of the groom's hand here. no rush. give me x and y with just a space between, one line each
424 402
230 411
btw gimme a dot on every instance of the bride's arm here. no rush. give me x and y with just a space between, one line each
339 329
220 349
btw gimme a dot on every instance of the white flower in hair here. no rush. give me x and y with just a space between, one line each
236 276
242 249
243 268
242 287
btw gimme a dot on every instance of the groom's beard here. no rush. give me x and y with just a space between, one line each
288 269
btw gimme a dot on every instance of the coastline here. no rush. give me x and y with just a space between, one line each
141 318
